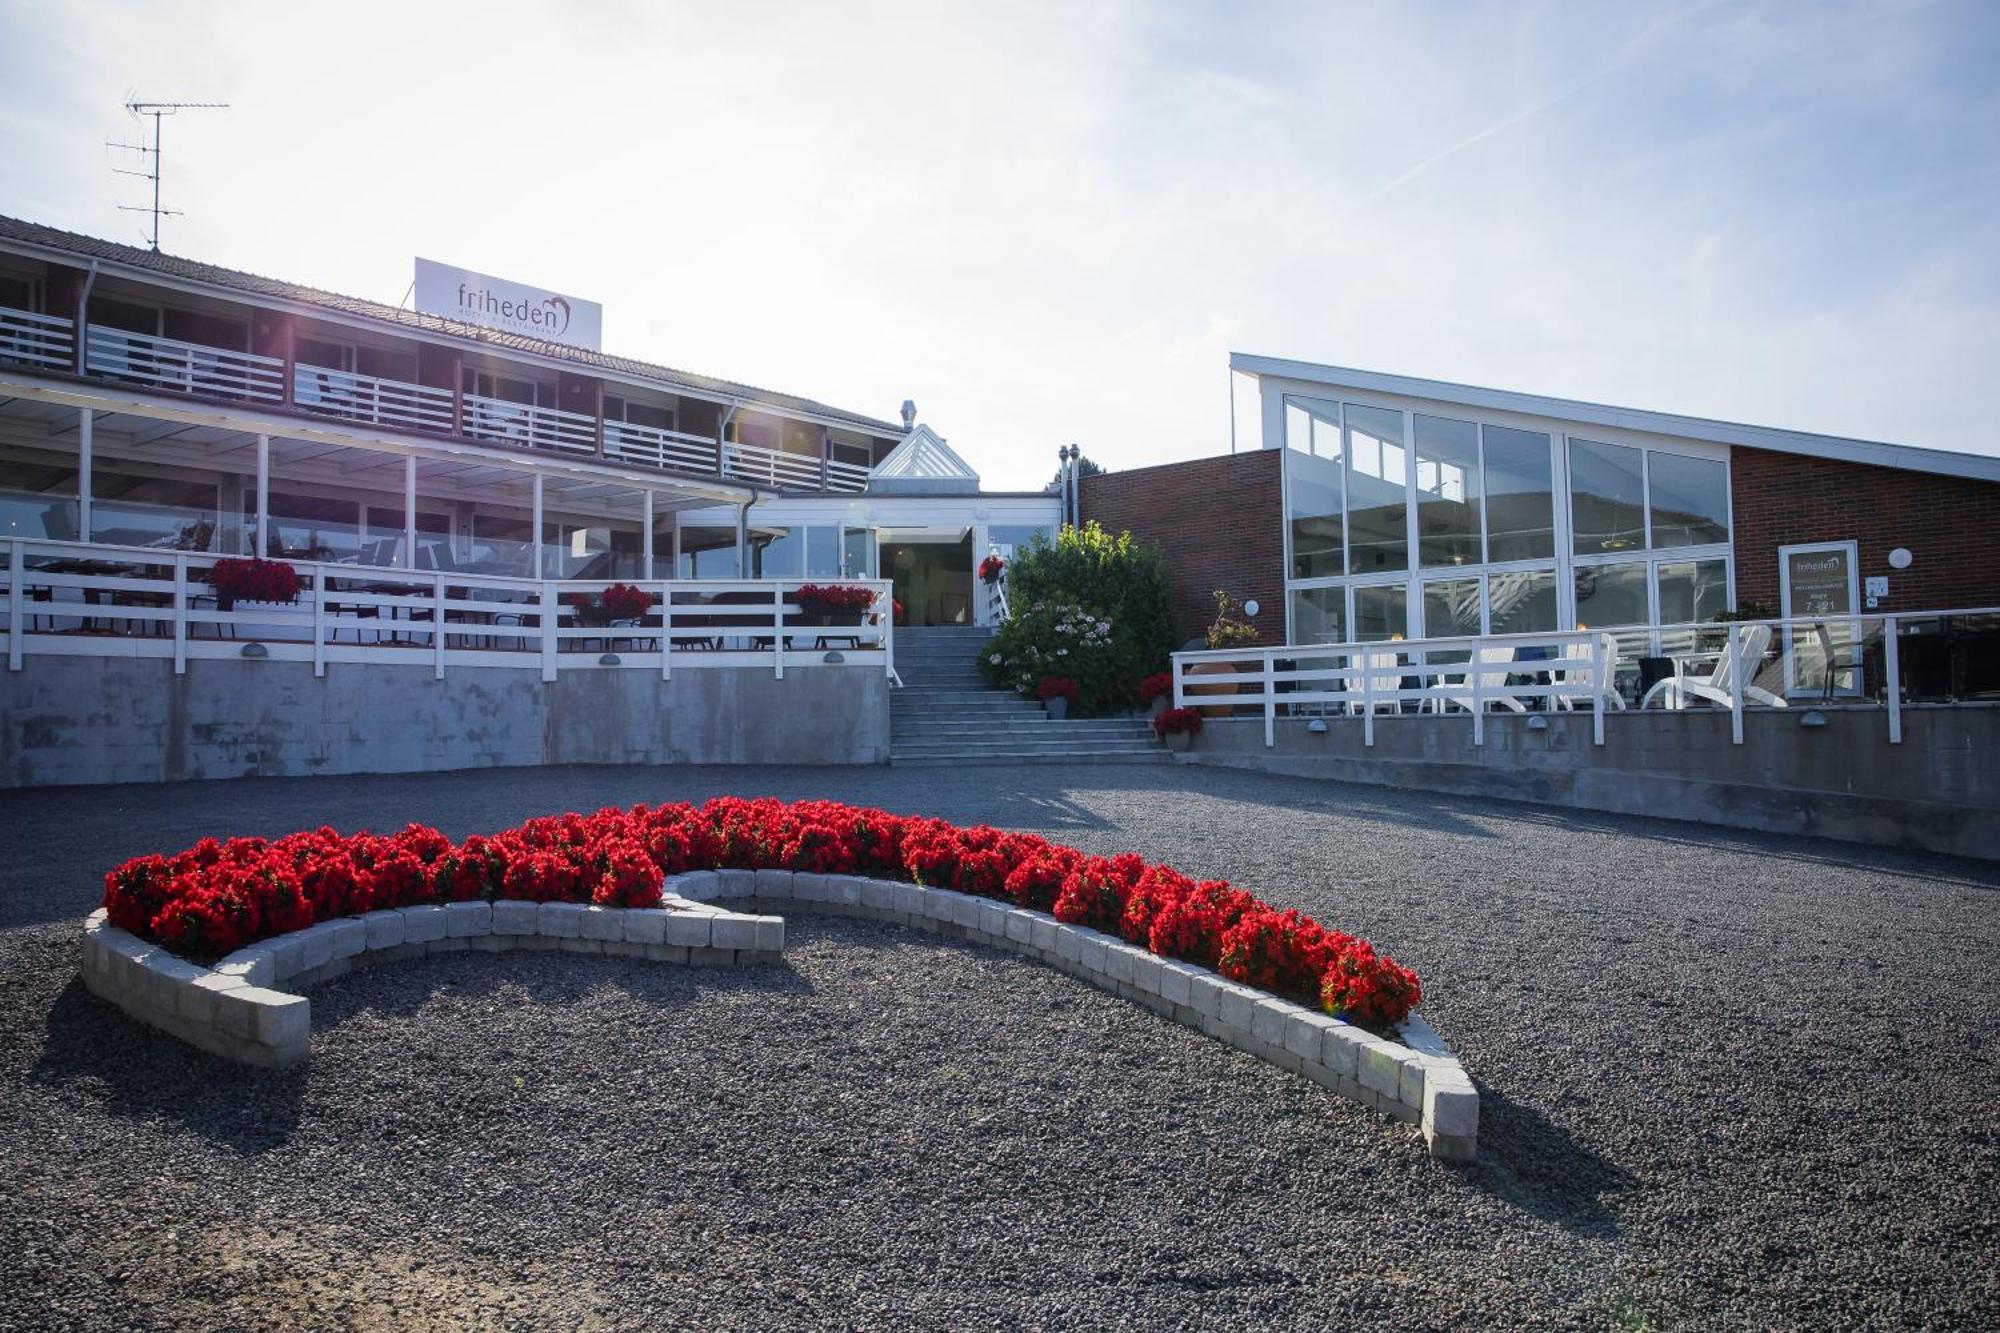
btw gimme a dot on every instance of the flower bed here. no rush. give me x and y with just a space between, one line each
216 897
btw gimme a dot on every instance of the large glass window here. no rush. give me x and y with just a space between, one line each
1690 500
312 527
1381 613
1319 615
708 552
1313 488
778 554
38 500
1693 592
1607 491
1447 491
1522 601
1520 499
1377 503
1451 609
822 553
1611 595
857 552
153 511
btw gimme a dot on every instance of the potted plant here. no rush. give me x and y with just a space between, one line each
991 568
1156 692
252 580
1178 727
1057 693
831 604
1226 632
620 601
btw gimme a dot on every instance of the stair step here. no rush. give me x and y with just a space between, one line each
1011 760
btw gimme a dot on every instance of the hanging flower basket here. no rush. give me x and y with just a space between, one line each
990 569
252 580
831 604
620 601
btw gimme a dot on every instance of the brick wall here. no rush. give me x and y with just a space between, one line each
1951 526
1219 524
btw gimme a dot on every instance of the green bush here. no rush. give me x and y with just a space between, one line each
1092 607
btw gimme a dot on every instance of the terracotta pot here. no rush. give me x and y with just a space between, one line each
1211 690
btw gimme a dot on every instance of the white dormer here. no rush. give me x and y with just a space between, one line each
923 464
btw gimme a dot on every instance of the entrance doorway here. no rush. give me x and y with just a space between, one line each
932 573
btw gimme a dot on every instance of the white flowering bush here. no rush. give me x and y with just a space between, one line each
1052 638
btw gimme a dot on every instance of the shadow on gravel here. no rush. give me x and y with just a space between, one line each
1534 1165
94 1051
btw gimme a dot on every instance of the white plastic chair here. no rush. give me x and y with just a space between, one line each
1493 665
1571 670
1715 687
1383 671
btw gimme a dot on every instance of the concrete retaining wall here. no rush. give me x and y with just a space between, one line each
105 719
1937 791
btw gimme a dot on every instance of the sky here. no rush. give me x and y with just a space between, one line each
1049 223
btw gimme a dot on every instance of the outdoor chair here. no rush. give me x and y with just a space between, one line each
1379 670
1571 671
1832 671
1675 691
1494 665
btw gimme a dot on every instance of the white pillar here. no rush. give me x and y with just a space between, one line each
536 567
263 496
84 420
743 541
646 536
410 512
676 567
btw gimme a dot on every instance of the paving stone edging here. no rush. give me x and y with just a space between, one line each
236 1009
1417 1079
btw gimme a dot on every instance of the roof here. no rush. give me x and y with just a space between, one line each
924 462
187 270
1944 462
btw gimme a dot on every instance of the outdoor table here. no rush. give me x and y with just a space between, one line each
107 569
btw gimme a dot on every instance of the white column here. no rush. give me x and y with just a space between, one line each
743 541
263 496
674 571
646 536
536 567
410 512
84 420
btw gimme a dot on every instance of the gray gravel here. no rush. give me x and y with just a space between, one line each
1730 1081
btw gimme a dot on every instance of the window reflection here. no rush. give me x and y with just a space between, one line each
1611 595
1381 613
1377 472
1690 500
1520 495
1448 527
1314 488
1607 497
1319 615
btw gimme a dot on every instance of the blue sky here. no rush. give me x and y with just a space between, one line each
1053 222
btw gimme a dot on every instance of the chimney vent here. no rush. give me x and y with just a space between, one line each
909 413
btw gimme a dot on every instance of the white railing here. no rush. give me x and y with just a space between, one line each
783 471
673 450
536 427
84 599
997 610
165 363
383 402
1839 661
37 340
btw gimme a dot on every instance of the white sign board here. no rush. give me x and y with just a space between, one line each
510 307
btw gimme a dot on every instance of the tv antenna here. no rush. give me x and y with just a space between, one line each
151 155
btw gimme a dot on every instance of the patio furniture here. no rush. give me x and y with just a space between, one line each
1832 671
1572 670
1490 663
1716 686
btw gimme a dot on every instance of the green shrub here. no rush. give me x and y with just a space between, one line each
1092 607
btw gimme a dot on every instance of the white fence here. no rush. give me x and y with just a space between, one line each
771 467
536 427
122 601
37 340
181 367
383 402
1871 661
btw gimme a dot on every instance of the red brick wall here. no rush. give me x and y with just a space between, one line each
1951 526
1218 523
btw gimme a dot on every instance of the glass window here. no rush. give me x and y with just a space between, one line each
822 553
1523 601
1319 615
153 511
1011 537
1607 491
1693 592
1690 500
1377 471
708 552
311 527
1611 595
857 552
1447 491
1451 609
1520 499
1381 613
1313 488
777 554
38 501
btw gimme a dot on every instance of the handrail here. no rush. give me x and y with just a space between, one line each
160 599
344 393
527 423
184 367
774 467
669 449
36 339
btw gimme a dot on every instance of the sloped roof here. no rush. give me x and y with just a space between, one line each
188 270
924 456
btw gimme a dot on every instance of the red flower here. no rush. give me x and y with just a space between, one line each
1057 687
1177 719
1155 685
254 580
990 567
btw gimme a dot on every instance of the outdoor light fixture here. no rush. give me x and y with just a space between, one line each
833 658
608 659
1250 607
1900 558
255 650
1536 722
1317 726
1812 717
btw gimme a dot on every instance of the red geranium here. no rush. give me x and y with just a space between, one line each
990 567
254 580
1155 685
1057 687
1175 720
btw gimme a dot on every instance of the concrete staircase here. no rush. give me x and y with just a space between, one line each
946 713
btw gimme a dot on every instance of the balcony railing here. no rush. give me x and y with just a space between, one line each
672 450
382 402
37 340
95 599
178 367
47 342
535 427
783 471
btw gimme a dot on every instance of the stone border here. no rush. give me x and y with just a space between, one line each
235 1009
1417 1079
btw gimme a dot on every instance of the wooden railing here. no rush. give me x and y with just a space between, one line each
672 450
535 427
180 367
383 402
84 599
783 471
37 340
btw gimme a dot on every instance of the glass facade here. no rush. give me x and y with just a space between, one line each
1494 528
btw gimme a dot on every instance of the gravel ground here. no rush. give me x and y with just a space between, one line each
1730 1081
